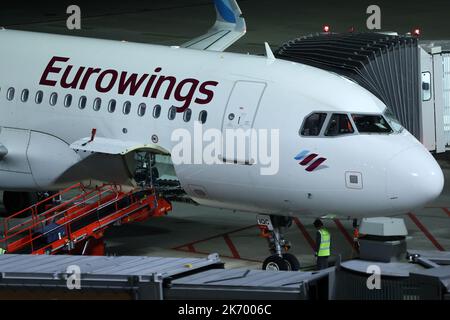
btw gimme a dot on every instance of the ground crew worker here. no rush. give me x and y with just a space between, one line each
2 250
323 242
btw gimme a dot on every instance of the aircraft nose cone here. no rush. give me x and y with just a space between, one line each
414 178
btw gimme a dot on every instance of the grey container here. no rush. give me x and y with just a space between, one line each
126 277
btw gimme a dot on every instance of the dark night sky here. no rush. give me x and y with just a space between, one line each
175 21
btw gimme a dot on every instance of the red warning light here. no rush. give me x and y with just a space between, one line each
326 28
416 32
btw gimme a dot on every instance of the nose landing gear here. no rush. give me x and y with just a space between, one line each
272 228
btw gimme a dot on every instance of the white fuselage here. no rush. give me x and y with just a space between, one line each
398 174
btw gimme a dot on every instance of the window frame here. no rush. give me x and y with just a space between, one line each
187 115
326 124
25 95
53 99
126 107
322 129
112 104
200 116
142 109
82 102
10 93
39 97
97 104
349 117
68 100
371 114
169 113
156 114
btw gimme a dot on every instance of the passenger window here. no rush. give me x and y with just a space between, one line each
141 109
202 116
53 98
156 111
371 123
112 105
313 124
172 113
68 101
187 115
24 96
126 107
97 104
39 97
10 94
339 124
82 102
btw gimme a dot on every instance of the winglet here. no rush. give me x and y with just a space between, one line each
226 12
228 28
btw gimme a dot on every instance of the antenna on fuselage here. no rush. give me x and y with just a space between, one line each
269 54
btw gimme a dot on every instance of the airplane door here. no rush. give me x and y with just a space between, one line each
240 113
243 104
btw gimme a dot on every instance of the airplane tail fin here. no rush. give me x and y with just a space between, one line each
228 28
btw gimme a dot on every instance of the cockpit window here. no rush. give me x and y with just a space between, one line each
339 124
366 123
393 121
313 124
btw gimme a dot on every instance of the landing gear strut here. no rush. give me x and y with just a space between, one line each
272 229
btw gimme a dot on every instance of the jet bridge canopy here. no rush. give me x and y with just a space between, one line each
386 65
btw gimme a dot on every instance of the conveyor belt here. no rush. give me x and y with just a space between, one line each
68 227
386 65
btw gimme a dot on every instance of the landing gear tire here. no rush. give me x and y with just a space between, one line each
17 201
276 263
272 228
294 264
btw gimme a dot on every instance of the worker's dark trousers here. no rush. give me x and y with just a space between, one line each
322 263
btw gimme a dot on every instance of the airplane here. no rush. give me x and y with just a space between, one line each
78 109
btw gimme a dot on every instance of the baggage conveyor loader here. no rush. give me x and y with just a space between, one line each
77 225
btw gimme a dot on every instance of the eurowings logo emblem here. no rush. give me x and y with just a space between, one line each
311 160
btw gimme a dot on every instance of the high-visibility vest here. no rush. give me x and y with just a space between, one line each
2 251
325 241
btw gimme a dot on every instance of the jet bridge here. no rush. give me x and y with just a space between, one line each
411 77
386 65
435 69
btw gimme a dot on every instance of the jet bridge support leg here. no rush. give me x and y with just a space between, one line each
272 228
